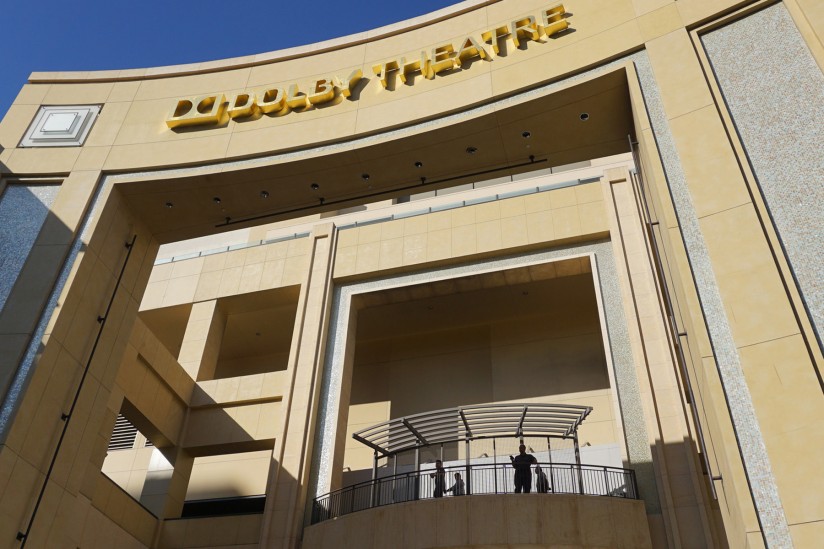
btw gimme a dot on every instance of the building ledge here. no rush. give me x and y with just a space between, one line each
489 521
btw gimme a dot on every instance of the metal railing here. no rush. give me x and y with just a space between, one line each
560 478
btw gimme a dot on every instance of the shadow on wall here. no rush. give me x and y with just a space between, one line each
218 452
249 333
27 226
182 477
34 245
81 364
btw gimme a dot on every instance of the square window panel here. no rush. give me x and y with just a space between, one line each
60 126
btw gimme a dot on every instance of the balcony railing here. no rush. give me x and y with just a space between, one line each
561 478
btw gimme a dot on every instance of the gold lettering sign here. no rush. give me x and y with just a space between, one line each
442 59
216 108
447 57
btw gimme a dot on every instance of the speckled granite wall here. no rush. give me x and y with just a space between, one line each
750 440
632 415
23 209
21 377
775 93
727 359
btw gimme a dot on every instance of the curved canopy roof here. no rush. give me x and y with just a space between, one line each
473 422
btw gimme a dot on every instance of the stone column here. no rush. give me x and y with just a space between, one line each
201 342
656 370
751 318
288 481
336 478
164 491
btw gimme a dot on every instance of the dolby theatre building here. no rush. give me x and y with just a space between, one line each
250 302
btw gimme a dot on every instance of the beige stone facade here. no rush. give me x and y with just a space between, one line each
567 210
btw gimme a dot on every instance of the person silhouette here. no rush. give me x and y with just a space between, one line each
440 479
523 474
541 481
457 489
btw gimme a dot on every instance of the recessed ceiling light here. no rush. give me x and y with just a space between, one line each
584 116
419 164
216 200
471 150
526 135
365 176
315 186
264 194
169 205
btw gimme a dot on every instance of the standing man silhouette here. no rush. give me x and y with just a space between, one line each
440 479
523 474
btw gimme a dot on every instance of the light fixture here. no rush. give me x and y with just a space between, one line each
169 205
264 194
471 150
526 135
584 116
365 176
419 164
315 186
216 200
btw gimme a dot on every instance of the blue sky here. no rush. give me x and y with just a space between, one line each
82 35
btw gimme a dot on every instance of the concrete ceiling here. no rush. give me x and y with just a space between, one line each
557 136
